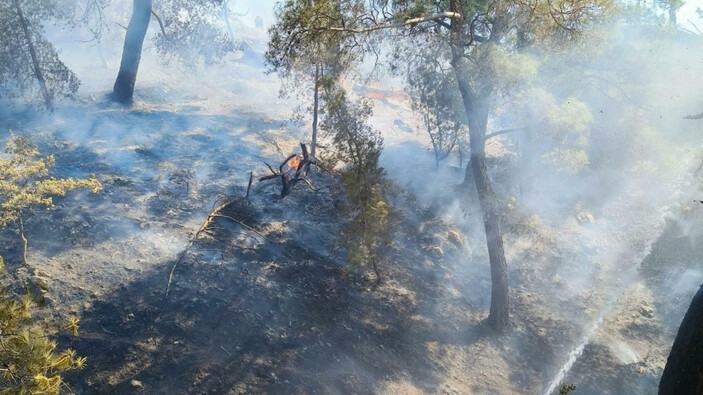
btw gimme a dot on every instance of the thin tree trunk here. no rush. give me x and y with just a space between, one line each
33 54
498 317
672 15
225 5
316 104
123 91
683 373
20 222
477 116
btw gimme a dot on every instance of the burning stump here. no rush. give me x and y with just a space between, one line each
292 170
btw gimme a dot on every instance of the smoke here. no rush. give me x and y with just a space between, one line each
620 100
581 236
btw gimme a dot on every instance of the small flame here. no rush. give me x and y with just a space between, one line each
291 167
294 162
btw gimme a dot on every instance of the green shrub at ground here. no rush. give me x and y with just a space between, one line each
29 360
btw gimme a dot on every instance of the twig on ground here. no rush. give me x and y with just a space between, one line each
216 213
223 349
107 331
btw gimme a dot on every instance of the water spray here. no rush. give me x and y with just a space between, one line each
628 279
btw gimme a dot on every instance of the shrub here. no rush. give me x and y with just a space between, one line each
29 361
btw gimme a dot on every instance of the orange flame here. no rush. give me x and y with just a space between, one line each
294 162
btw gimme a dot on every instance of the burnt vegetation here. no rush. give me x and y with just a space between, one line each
317 196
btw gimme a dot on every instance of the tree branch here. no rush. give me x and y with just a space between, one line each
392 25
505 131
161 23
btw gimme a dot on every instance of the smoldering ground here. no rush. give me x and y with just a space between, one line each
603 261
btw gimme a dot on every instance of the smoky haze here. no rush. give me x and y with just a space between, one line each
600 188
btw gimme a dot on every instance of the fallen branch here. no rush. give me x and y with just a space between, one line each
190 244
216 213
249 228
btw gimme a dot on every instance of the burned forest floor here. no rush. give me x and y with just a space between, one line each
263 300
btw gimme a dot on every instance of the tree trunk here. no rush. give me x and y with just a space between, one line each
123 91
33 54
672 15
477 115
683 373
316 104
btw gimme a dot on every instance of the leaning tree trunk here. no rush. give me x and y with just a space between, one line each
683 373
477 116
123 91
33 54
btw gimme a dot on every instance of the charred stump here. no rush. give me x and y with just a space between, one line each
292 170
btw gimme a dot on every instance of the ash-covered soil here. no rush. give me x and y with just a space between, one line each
263 302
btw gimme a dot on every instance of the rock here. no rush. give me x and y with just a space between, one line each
137 384
647 311
40 282
455 237
585 217
437 252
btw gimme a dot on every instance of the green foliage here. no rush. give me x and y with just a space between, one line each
17 74
25 180
566 389
192 33
436 99
359 147
565 126
31 364
301 38
310 64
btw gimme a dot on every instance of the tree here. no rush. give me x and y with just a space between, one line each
29 63
683 373
25 183
436 99
187 31
359 147
482 38
302 64
30 363
123 91
671 7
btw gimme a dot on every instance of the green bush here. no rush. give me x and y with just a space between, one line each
358 147
29 361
